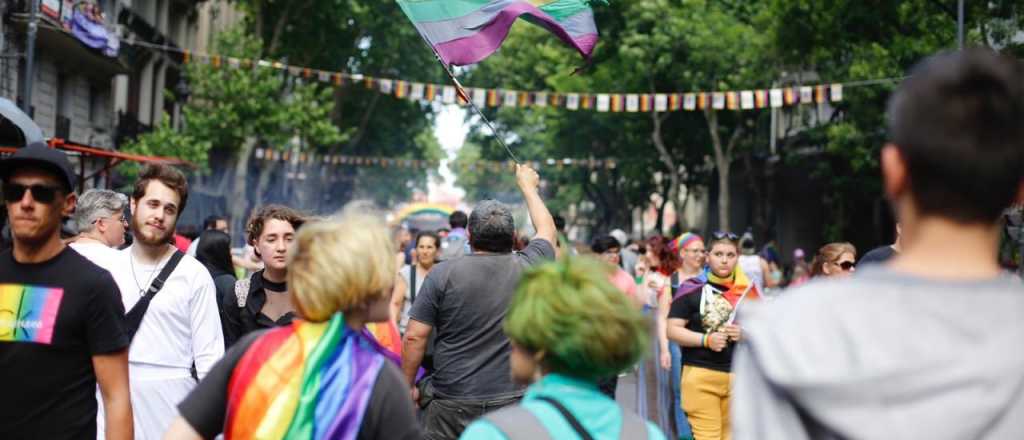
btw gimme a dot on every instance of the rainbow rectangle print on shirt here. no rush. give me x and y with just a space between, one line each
28 313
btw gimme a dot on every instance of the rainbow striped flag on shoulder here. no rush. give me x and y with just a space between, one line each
467 31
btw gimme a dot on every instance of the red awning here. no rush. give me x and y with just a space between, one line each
110 154
110 158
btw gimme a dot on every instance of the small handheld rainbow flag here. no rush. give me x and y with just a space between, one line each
467 31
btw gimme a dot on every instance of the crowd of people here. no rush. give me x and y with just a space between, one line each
334 329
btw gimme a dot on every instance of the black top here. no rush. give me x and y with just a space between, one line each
687 307
54 316
239 321
877 255
389 413
225 283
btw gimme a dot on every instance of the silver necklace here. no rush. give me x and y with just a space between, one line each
156 270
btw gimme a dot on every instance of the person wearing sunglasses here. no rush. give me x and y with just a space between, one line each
703 322
834 260
62 329
101 223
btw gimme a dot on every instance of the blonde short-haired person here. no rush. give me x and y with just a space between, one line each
322 376
569 328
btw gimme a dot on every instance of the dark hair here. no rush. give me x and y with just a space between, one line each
602 243
431 234
559 223
670 260
491 227
259 218
957 122
166 175
214 251
458 219
211 221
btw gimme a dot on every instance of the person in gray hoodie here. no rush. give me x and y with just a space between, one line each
927 345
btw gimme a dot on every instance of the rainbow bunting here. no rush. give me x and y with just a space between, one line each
467 31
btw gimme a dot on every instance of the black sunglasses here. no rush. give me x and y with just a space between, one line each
847 265
725 235
14 192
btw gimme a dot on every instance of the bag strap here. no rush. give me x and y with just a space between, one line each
133 319
518 423
576 426
412 284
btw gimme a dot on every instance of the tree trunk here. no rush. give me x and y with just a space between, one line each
723 160
239 203
266 170
723 194
675 179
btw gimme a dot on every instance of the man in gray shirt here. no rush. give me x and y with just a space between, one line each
464 301
927 345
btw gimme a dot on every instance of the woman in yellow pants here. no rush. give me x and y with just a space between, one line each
701 321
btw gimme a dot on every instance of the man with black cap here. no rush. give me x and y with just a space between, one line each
61 317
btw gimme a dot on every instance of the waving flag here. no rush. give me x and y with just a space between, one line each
467 31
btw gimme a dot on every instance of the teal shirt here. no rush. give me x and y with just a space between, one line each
600 416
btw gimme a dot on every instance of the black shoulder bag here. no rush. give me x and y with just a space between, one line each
134 317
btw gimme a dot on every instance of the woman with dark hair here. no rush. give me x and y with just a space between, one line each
214 251
263 300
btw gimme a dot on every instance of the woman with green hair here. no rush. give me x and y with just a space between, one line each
569 327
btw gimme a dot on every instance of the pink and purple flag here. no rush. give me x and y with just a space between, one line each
467 31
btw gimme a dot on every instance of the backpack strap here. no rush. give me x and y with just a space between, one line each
242 291
567 415
518 423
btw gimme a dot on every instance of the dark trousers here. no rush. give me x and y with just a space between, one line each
445 419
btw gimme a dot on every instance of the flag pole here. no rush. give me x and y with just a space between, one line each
465 97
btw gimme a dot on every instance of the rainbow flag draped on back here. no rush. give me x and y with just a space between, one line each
467 31
304 381
386 334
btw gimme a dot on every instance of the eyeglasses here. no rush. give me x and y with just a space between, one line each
725 235
847 265
123 220
14 192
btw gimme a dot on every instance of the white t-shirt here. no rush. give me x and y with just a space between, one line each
192 247
100 255
751 265
405 272
182 324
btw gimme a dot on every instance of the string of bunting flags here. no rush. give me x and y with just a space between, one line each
268 154
601 102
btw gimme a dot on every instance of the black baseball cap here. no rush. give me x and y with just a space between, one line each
39 155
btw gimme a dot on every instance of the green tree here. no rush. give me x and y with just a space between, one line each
856 40
237 110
